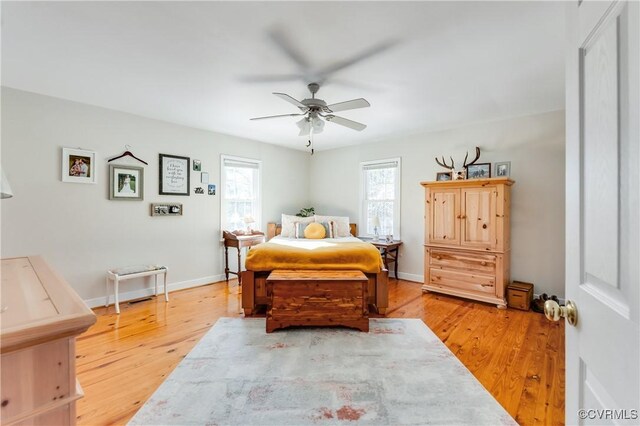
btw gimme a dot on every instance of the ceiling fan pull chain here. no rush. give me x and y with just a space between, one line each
311 138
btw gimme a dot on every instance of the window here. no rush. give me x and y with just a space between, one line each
381 197
240 191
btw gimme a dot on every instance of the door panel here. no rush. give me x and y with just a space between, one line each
445 226
478 218
602 253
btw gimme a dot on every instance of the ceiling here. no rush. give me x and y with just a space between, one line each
193 63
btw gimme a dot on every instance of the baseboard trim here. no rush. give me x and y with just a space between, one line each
146 292
411 277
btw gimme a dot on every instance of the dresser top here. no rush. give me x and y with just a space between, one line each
470 182
37 305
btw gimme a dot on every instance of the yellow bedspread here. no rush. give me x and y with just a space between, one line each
314 254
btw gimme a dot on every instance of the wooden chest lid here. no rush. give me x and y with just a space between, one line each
316 275
520 286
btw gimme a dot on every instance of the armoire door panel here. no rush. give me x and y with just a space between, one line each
478 208
445 218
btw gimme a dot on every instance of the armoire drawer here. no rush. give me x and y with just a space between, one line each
464 261
467 281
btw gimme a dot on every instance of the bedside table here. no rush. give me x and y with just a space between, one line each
239 241
388 251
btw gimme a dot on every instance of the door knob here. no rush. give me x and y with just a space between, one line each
554 312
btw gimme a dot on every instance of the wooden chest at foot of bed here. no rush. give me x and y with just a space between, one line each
317 298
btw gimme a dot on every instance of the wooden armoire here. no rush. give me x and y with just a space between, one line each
467 238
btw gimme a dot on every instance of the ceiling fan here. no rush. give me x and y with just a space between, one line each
314 110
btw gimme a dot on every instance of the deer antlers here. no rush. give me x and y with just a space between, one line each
474 160
444 164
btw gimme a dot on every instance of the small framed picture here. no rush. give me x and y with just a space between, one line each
503 169
197 165
78 165
175 175
442 176
126 183
204 177
212 189
166 209
479 171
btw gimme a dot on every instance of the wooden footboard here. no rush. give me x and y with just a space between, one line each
254 291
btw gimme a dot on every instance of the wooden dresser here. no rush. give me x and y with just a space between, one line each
41 317
467 238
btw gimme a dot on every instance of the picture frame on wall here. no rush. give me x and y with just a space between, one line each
126 183
78 165
503 169
443 176
479 171
175 175
166 209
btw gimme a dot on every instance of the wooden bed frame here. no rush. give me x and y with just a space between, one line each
254 283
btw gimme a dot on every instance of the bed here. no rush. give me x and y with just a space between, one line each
346 253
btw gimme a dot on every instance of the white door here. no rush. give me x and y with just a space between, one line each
602 212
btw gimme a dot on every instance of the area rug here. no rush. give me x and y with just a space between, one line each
399 373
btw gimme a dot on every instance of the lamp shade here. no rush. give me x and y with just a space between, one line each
376 222
5 188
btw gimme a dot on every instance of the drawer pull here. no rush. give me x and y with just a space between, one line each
483 263
438 257
484 226
486 285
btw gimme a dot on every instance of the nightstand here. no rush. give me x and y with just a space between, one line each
239 241
388 251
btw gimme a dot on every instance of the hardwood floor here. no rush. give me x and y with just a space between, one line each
517 356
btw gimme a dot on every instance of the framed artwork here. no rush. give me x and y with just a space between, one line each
197 165
212 189
175 175
166 209
78 165
479 171
442 176
126 183
204 177
503 169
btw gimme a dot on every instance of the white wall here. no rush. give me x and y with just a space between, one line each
82 233
533 144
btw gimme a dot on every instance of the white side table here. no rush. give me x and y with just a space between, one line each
130 272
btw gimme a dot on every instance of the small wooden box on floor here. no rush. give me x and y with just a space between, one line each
520 295
317 298
41 317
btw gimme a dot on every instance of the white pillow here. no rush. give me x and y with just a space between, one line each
341 223
288 224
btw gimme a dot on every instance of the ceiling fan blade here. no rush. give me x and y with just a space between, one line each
347 123
284 43
365 54
291 100
276 116
270 78
352 104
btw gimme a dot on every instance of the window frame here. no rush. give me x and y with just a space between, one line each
223 184
396 202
